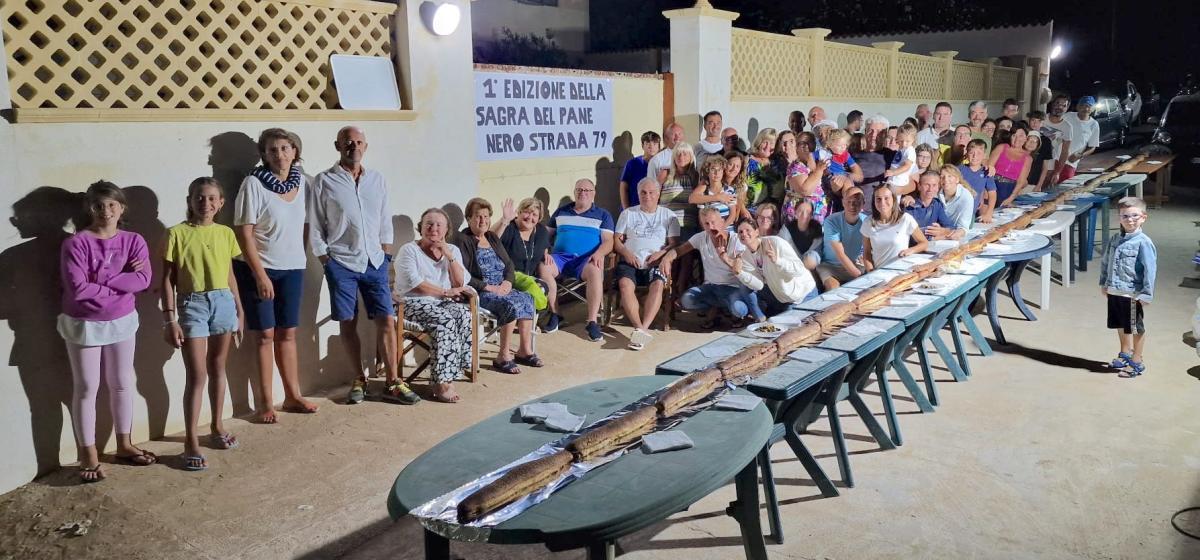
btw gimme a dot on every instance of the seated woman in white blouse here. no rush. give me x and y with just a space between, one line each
890 233
431 282
771 267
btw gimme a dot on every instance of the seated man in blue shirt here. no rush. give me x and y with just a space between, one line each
842 243
930 212
583 235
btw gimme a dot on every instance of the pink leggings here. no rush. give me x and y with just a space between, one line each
115 361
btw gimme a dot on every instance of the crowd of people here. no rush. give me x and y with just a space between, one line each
731 231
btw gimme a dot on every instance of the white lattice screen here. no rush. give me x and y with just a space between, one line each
769 65
967 80
1005 82
855 72
185 54
920 77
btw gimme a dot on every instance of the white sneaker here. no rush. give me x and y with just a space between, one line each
639 339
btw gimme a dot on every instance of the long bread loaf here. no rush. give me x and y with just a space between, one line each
691 388
519 481
604 439
797 336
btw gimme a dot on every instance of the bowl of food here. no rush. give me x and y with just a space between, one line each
765 329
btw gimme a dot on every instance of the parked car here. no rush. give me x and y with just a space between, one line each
1113 120
1127 96
1179 130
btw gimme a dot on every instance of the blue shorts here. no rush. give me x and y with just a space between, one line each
345 285
204 314
570 264
282 312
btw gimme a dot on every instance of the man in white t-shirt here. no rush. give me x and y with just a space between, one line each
1060 132
721 288
672 135
644 234
1086 136
711 142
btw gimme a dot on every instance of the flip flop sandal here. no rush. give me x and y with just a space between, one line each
223 441
194 462
142 459
84 471
510 367
531 360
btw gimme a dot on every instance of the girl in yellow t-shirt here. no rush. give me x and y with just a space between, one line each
198 282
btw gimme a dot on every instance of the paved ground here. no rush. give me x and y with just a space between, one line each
1040 455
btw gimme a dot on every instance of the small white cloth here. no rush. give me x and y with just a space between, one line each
563 421
721 349
537 412
670 440
863 329
743 403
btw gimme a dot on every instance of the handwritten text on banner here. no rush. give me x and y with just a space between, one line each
521 116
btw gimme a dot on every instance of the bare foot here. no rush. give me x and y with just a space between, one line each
445 393
266 416
299 406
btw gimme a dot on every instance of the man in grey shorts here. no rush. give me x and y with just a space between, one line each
842 247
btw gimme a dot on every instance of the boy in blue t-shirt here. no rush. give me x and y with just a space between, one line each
636 168
977 175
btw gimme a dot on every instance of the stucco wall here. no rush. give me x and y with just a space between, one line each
637 107
156 161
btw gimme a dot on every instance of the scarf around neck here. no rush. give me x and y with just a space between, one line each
272 183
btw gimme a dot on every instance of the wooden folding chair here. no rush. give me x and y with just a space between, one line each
410 336
612 301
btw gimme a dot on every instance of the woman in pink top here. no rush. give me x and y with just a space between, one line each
102 268
1011 164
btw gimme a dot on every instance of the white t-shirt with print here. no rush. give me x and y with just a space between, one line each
888 240
646 232
715 269
1059 133
1086 134
907 154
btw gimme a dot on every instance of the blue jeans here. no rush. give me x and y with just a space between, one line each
739 301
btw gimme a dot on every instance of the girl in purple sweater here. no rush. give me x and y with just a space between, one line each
102 268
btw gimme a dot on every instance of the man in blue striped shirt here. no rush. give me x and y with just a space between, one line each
583 235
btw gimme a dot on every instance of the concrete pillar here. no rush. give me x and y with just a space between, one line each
816 85
701 61
948 84
893 68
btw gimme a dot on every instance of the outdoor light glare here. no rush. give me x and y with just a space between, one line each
1056 52
441 19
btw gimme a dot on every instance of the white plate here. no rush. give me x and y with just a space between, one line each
929 290
1124 158
750 330
1153 162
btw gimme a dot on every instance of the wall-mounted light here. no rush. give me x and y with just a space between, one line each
1056 51
441 18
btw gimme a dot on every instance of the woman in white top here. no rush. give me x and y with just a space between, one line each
957 196
887 236
269 220
770 266
431 283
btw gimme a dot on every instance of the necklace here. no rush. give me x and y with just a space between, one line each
527 244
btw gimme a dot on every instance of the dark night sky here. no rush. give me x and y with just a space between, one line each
1155 40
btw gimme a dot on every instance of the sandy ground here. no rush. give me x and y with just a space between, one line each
1040 455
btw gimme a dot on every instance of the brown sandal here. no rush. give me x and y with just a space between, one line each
143 458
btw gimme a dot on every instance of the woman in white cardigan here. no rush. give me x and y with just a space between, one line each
770 266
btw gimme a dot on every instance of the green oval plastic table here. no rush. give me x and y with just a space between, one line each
622 497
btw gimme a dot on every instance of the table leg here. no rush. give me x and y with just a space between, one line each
960 349
1066 261
606 550
923 357
1104 229
745 510
939 320
437 547
1081 238
963 315
873 362
885 395
1091 234
993 316
1138 190
901 368
1046 273
1016 269
792 417
768 482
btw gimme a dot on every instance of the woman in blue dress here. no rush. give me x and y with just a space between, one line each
492 277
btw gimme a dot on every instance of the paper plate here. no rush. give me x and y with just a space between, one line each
752 330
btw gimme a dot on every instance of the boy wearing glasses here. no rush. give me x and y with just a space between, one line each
1127 280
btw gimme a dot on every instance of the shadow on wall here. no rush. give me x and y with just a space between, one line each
232 155
152 351
30 300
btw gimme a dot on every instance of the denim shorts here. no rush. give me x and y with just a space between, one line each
345 285
204 314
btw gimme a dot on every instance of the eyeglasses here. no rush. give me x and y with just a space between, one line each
585 190
1131 216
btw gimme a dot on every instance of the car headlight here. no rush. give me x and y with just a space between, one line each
1161 137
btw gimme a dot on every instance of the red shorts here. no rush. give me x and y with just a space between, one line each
1067 172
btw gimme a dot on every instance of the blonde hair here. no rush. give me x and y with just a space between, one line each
690 171
531 202
764 135
953 170
838 134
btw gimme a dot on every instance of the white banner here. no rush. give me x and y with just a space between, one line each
520 116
